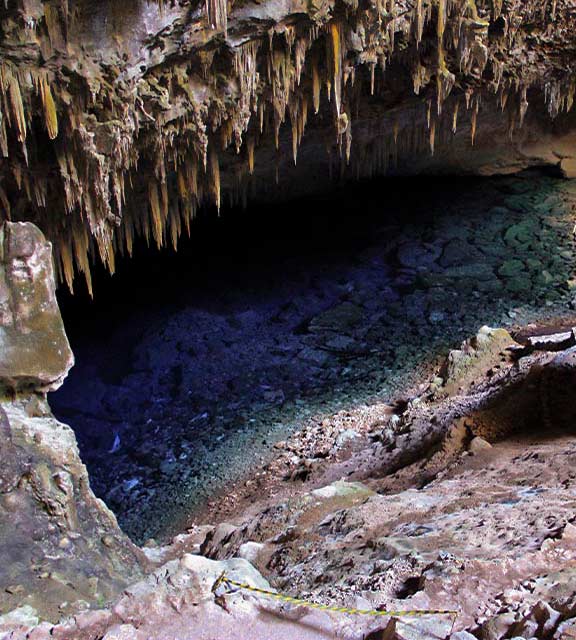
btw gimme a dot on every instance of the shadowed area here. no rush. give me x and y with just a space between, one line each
268 317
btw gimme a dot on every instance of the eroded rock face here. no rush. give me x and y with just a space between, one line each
34 350
61 549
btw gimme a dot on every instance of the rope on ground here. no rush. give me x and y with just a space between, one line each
223 580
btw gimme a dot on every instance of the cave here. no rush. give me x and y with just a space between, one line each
287 319
192 363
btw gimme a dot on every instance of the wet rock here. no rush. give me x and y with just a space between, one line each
511 268
519 235
35 350
458 252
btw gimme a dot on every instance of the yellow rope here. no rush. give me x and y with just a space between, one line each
224 580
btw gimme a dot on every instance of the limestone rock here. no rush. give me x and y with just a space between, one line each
59 542
482 87
35 354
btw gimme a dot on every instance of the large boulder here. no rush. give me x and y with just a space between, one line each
34 349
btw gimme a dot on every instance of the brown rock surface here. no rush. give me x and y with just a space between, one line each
408 519
60 548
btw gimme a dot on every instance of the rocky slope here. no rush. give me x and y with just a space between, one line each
461 499
122 119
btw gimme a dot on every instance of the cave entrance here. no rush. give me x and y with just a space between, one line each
192 365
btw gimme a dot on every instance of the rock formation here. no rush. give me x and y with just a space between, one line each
36 355
122 119
61 549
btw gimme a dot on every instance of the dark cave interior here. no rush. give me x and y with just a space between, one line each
281 311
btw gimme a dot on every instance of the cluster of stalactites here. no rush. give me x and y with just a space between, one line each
279 80
15 121
294 79
12 111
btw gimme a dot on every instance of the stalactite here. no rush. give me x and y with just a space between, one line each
522 106
473 121
440 29
337 64
315 85
250 145
155 212
455 116
182 185
217 11
67 263
215 176
50 114
81 247
110 130
496 9
419 19
55 15
3 132
5 209
15 111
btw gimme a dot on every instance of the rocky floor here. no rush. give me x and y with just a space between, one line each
463 498
187 401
